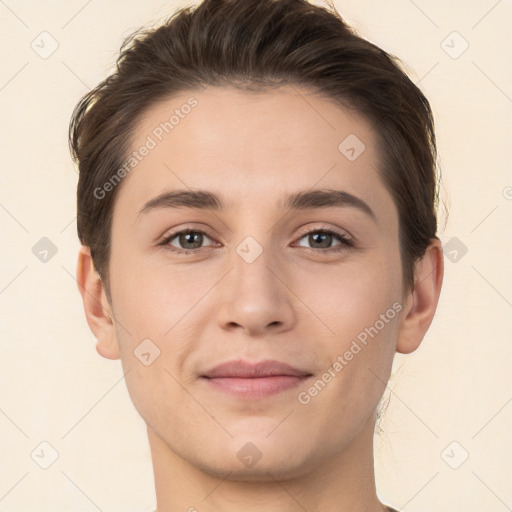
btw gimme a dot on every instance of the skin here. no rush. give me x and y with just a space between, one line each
303 308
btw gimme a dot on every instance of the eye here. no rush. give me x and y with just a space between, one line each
190 239
323 238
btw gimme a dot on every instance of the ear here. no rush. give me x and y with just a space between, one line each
421 302
97 310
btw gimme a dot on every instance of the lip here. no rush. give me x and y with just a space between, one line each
246 369
253 381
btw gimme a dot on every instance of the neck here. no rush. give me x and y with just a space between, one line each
343 483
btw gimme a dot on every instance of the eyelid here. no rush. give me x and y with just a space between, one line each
323 227
189 227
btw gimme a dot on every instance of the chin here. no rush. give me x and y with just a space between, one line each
260 472
255 460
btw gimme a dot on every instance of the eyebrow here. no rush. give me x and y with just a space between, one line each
307 199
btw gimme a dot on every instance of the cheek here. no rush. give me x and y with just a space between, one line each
359 318
153 378
350 298
357 356
149 299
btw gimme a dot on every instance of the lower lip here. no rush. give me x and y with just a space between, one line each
255 388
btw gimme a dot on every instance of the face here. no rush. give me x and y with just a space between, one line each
259 280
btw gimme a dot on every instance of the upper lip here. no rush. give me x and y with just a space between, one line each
246 369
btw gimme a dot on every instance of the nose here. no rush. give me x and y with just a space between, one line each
254 296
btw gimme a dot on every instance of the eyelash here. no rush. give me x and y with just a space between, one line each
345 242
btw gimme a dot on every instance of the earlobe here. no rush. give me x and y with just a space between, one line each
422 301
97 310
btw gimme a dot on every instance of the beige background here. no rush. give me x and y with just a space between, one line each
54 387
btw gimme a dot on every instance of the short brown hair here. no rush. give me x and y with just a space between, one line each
255 45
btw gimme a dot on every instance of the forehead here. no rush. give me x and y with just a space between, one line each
252 147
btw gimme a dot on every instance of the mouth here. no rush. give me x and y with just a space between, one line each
249 381
254 388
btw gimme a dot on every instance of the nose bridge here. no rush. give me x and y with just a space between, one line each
253 297
255 249
253 260
257 257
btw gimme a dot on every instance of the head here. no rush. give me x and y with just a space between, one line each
262 109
